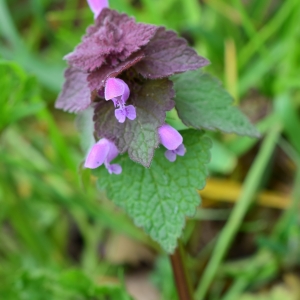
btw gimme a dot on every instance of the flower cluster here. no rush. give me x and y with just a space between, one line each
121 70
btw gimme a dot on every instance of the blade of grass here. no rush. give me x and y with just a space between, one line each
7 27
263 266
260 9
50 75
192 10
225 10
231 75
240 145
294 207
250 28
251 186
261 68
267 31
289 117
242 282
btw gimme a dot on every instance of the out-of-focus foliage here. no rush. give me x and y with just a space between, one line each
69 285
52 219
15 88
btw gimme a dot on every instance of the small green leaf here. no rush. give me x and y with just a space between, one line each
202 103
159 198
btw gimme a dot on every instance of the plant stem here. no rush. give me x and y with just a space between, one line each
180 274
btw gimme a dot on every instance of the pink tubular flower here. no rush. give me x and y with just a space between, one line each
172 140
103 152
97 5
118 91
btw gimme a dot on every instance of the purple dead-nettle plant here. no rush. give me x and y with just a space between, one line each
134 86
121 69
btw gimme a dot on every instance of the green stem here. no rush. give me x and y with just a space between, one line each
183 285
251 185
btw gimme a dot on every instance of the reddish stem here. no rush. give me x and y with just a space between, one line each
180 274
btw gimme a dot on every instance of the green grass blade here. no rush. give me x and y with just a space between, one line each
251 186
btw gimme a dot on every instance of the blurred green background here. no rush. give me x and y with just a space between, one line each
61 239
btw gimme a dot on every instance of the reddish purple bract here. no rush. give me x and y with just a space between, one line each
127 62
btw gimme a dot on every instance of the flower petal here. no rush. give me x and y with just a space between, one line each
114 169
170 155
115 101
114 87
112 153
169 137
180 150
120 115
126 93
97 154
97 5
130 112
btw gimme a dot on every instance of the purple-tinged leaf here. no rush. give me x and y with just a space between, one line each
75 95
139 137
111 40
167 54
98 78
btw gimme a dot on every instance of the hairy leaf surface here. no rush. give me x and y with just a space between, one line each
112 39
167 54
98 78
159 198
202 103
75 95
